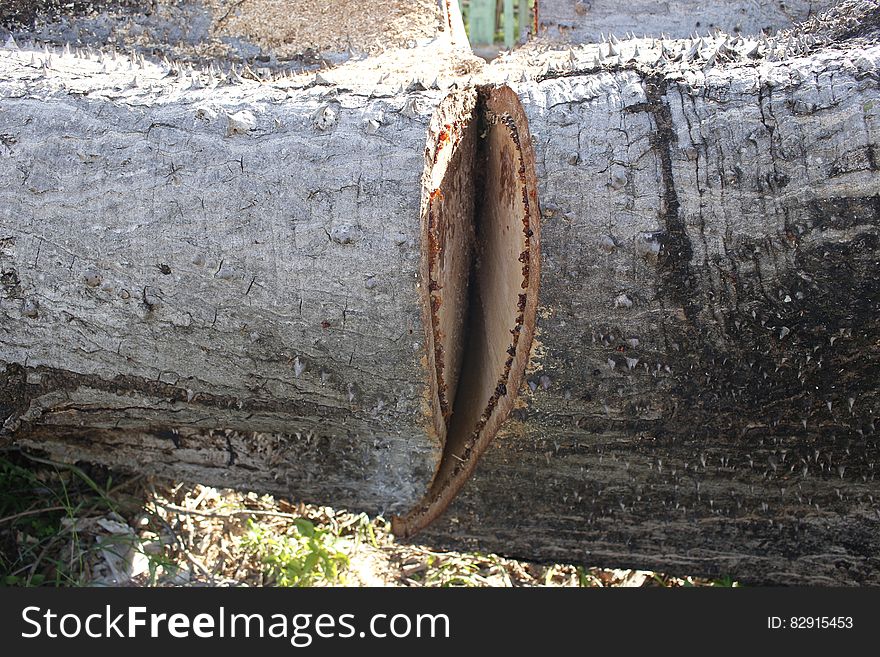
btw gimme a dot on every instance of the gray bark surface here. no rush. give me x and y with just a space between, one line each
703 393
237 257
587 21
263 34
703 389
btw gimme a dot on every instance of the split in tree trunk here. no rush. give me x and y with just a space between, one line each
482 269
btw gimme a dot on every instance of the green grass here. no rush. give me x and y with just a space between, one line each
304 555
42 504
727 582
38 510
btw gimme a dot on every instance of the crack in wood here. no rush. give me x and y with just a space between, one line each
677 250
481 271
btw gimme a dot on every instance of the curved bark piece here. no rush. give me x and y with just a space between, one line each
482 271
448 243
455 24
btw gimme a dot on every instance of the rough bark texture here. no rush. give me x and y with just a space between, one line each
703 393
587 21
703 389
237 257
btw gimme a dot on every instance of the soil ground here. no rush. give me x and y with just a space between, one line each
63 525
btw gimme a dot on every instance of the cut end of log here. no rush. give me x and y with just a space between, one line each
480 270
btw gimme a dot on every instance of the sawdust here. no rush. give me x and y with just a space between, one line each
291 27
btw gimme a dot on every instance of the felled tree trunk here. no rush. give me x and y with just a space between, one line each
703 394
290 259
588 21
225 258
341 275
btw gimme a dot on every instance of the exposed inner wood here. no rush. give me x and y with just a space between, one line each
448 247
482 314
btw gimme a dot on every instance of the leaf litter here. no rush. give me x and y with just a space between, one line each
63 526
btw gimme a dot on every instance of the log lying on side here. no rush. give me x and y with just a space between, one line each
704 391
282 259
589 21
239 256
